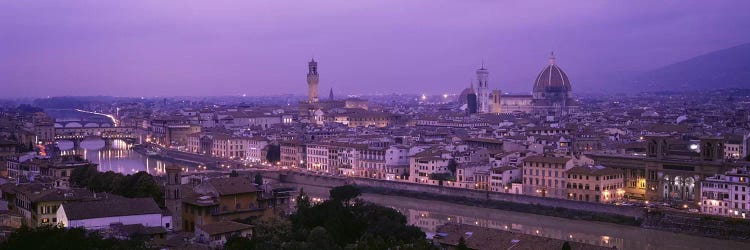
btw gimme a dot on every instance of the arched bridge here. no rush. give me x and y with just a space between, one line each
83 124
108 134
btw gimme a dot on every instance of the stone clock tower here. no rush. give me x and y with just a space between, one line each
312 81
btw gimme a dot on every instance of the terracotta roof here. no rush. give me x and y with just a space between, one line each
233 185
110 208
552 78
594 170
547 159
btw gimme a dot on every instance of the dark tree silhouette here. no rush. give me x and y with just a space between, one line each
274 153
462 244
452 165
344 194
566 246
52 237
258 179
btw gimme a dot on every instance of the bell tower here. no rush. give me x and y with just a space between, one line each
173 198
312 81
483 90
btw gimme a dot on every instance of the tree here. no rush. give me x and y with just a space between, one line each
462 244
344 193
359 225
234 174
320 239
303 201
138 185
452 165
54 237
258 179
566 246
238 243
274 153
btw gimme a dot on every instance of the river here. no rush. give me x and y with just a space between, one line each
428 214
118 158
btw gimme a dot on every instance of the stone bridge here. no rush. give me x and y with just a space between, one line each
83 124
108 134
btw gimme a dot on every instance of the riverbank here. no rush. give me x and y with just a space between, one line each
428 214
142 150
699 224
715 227
510 206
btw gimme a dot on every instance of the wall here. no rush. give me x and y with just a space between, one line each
331 181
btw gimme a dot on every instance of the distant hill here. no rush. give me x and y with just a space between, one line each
721 69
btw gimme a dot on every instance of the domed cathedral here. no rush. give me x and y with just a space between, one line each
551 95
552 92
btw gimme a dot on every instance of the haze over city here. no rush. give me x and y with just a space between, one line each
199 48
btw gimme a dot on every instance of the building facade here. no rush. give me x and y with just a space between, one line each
727 194
595 184
545 175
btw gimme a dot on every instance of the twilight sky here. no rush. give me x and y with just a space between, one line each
150 48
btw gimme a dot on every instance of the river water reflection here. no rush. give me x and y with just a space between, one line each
118 158
429 214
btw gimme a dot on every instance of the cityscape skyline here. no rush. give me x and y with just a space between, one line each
260 49
338 124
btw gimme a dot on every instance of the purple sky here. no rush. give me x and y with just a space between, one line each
149 48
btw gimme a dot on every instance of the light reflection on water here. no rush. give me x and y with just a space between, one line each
429 214
118 158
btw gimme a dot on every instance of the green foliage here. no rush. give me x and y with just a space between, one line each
51 237
359 225
452 165
303 200
344 194
258 179
138 185
234 174
566 246
334 224
274 153
462 244
238 243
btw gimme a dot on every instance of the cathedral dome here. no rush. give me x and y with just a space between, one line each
552 79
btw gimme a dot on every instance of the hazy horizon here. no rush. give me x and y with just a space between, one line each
261 48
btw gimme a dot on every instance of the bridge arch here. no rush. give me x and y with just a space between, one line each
73 125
